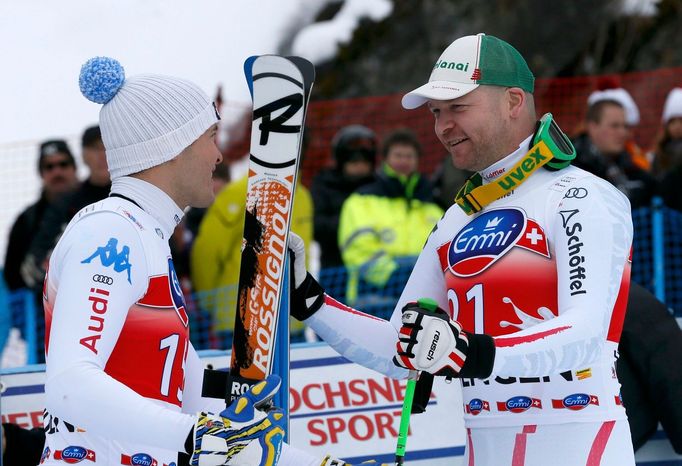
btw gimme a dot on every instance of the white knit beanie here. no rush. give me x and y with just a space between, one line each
673 105
147 119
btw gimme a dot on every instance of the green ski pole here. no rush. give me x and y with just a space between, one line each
431 305
405 418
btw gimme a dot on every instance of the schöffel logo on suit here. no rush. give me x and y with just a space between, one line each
476 405
74 454
519 404
575 402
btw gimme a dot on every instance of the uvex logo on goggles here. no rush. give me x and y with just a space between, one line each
476 199
519 173
550 147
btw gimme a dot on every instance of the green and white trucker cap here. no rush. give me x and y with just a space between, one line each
469 62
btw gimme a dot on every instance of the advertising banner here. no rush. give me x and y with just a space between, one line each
336 407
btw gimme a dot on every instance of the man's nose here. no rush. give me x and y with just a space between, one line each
444 125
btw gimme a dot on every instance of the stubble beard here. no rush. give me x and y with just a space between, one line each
478 159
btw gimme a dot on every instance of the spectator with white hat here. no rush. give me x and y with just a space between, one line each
602 148
668 151
609 88
621 96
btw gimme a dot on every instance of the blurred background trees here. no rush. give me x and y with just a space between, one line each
557 38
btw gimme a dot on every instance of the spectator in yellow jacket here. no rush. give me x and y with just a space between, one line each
216 254
389 218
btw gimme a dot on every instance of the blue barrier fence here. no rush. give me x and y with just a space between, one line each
657 253
657 265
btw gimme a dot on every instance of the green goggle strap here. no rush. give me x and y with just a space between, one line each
558 143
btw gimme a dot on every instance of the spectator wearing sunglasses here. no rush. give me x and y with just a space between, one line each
58 215
354 149
57 170
94 188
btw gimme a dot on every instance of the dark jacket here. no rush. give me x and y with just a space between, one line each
23 447
638 185
671 188
649 369
24 229
55 219
329 190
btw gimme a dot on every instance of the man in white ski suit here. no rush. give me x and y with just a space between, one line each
529 271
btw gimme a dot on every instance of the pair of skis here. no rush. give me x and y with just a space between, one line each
280 89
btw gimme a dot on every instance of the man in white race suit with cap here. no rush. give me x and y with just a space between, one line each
526 276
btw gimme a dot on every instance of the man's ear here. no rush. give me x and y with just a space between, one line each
516 101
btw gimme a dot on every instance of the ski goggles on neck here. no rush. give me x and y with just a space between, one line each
549 148
557 142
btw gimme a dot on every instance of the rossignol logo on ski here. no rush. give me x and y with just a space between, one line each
291 105
280 88
488 237
261 269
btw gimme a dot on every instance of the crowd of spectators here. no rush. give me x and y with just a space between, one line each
369 209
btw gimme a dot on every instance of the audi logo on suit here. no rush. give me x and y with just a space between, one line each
103 279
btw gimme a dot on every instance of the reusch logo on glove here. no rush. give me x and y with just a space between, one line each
488 237
434 345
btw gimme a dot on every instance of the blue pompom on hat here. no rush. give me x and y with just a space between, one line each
146 120
100 79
